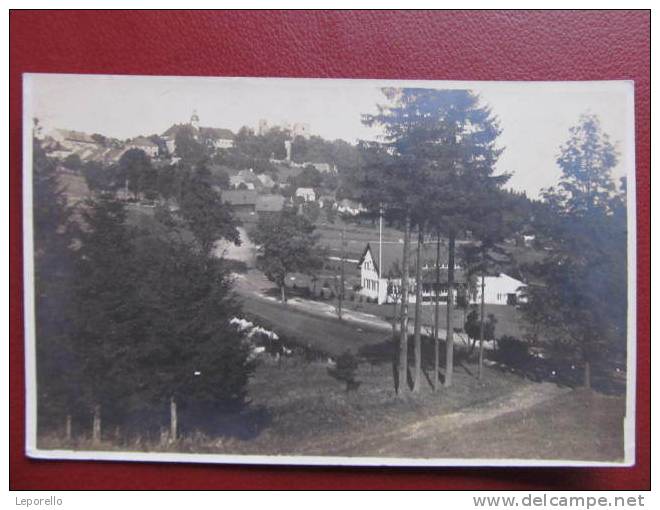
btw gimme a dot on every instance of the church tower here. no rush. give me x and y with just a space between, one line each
194 120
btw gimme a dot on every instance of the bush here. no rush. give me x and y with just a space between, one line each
344 370
512 351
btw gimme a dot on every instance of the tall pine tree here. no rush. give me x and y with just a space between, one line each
581 293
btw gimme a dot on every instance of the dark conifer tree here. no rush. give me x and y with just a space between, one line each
108 312
54 233
581 290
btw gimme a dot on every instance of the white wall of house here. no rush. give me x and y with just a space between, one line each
307 194
149 150
373 286
499 290
223 143
170 143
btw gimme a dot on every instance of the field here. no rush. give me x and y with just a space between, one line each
297 408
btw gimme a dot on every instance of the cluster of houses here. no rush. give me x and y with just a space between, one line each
253 193
380 278
61 143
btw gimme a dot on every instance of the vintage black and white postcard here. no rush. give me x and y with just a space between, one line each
316 271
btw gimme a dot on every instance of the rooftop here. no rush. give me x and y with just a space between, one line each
392 254
240 197
270 203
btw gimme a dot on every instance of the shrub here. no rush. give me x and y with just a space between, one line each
344 370
512 351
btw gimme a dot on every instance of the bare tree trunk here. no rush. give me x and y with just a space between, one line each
587 375
436 319
587 368
173 420
283 293
450 312
481 326
67 427
403 341
340 294
96 425
394 320
418 313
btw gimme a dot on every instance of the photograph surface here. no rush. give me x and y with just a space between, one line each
317 271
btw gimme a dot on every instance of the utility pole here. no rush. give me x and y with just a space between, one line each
341 273
436 319
481 317
380 252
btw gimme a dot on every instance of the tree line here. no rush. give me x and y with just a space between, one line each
133 327
432 173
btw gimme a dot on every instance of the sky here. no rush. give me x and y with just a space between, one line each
535 117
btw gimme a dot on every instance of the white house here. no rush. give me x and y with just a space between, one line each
500 289
266 181
307 194
350 207
384 284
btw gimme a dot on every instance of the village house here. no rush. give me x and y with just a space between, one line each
384 284
68 140
350 207
266 181
247 178
307 194
324 200
268 204
218 138
61 143
500 289
144 144
240 201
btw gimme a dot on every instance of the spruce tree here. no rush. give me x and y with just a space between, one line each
192 360
583 292
107 310
54 233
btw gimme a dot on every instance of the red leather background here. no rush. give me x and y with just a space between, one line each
467 45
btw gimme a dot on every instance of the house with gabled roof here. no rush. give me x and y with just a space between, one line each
240 200
267 204
380 277
380 272
307 194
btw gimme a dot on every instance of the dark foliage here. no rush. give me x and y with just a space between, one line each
345 370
